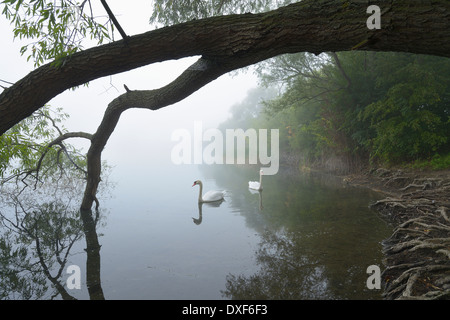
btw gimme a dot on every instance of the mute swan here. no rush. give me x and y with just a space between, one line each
255 185
210 196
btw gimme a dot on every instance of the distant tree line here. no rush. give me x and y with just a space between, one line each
353 109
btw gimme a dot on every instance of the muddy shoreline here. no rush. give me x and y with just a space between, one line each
417 255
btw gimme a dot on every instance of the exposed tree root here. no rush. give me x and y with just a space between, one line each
417 255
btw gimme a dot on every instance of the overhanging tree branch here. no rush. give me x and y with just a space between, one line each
421 27
196 76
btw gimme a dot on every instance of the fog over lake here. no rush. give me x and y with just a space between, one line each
305 236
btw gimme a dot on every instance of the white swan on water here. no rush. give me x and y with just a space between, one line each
255 185
210 196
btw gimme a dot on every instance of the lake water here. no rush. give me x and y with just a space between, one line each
305 236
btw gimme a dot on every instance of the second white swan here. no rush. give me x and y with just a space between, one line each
255 185
210 196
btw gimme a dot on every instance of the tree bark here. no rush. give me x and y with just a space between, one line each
316 26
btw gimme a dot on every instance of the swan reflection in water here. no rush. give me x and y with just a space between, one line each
216 204
210 199
260 197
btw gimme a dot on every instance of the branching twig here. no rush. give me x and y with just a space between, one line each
114 20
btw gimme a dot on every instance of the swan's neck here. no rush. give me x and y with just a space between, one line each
200 191
260 180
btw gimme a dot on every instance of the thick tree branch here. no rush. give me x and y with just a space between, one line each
315 26
196 76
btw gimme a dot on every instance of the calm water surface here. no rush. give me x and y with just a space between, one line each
306 236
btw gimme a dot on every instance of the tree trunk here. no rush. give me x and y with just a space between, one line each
316 26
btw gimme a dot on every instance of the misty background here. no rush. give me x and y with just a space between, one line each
142 137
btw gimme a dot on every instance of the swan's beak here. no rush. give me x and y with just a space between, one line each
194 184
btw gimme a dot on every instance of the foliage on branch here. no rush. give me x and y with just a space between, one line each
56 29
34 149
169 12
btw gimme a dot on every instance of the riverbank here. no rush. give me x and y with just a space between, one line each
417 255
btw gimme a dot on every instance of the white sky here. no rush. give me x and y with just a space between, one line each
137 128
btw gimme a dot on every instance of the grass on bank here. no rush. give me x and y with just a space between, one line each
437 162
